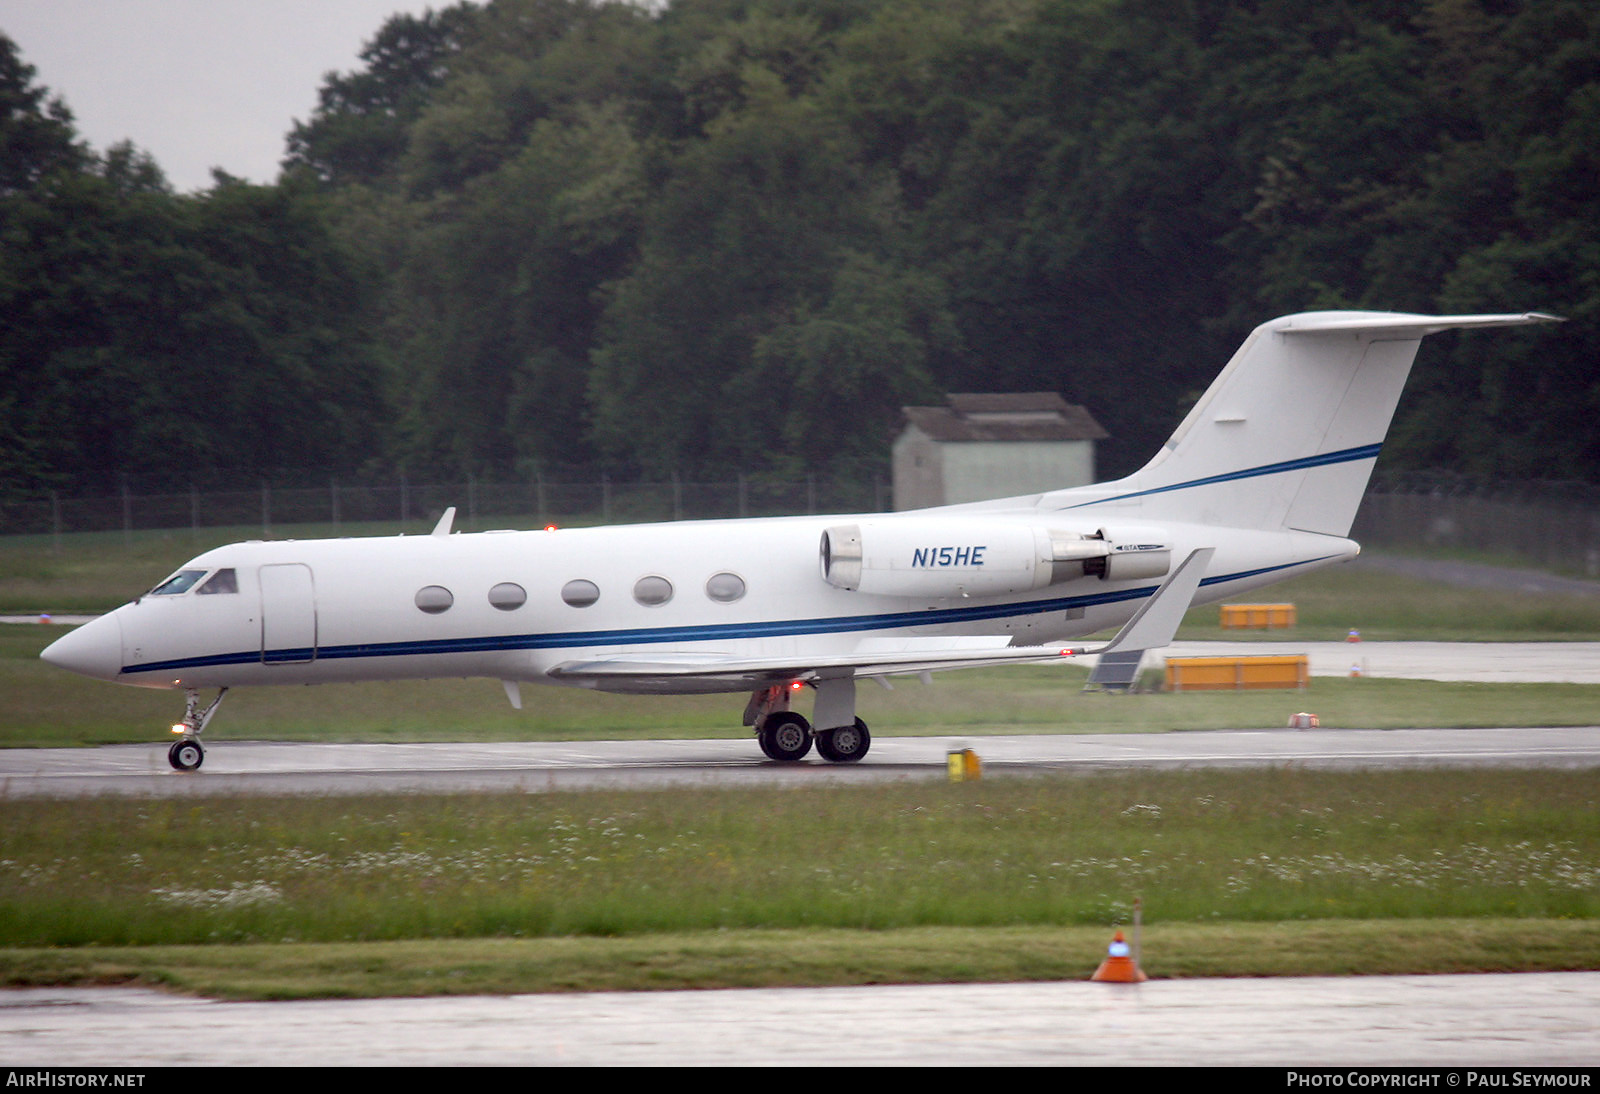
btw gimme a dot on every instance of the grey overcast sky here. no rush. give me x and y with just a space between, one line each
196 83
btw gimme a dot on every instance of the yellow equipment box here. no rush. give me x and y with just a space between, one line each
1258 615
1238 673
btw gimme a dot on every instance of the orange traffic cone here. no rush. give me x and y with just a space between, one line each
1118 967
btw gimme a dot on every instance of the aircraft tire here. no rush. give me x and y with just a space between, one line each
785 737
186 755
844 745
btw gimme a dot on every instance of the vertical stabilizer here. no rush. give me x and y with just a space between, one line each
1287 435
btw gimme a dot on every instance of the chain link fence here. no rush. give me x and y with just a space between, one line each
1547 525
480 505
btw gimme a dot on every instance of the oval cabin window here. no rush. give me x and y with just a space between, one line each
652 590
508 596
434 599
725 588
580 593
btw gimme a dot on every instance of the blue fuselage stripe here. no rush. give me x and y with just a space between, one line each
786 628
1346 455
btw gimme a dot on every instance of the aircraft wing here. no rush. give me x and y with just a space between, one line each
1153 626
867 659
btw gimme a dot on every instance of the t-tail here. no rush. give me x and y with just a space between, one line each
1287 435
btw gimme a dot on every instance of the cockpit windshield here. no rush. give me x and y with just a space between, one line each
180 582
223 581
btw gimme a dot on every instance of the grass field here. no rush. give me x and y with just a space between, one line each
1265 873
1257 873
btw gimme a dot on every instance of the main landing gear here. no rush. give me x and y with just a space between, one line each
786 736
186 753
844 745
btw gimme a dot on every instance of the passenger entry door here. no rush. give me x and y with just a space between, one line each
288 614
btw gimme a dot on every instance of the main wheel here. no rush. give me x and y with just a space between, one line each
844 745
186 755
785 736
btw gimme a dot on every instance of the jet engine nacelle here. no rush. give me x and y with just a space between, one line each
972 557
1131 555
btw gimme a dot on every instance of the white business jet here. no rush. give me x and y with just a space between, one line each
1260 482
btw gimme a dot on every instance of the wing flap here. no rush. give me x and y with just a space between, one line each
875 657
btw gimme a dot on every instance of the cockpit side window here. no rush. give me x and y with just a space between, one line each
180 582
223 581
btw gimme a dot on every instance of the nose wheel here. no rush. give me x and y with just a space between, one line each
186 753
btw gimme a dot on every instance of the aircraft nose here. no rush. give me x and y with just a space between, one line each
94 649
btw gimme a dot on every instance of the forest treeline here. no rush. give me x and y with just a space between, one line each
740 234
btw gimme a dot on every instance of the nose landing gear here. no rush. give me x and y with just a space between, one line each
186 753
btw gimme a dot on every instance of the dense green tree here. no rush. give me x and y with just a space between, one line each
507 290
158 334
36 134
741 233
742 335
362 125
1515 198
152 333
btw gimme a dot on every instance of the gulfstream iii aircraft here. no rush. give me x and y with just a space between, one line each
1260 482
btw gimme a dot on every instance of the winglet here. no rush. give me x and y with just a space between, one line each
445 521
1156 623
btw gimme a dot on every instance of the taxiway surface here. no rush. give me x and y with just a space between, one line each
1544 1020
257 767
264 767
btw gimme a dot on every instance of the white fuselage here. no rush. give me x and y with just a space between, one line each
320 611
1259 482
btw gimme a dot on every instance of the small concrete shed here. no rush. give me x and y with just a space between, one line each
992 446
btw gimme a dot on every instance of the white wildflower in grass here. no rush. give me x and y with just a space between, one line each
238 895
1556 866
1260 846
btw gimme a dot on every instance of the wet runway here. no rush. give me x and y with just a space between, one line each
531 767
1540 1020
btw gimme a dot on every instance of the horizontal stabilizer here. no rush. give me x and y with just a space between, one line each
1408 325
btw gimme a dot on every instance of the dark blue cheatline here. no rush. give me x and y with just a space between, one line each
1365 452
659 635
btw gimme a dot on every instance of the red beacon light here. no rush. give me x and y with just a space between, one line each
550 527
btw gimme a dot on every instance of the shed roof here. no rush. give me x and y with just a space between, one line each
1011 416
